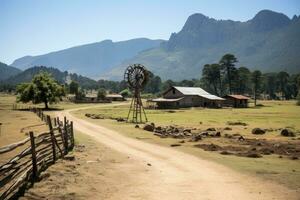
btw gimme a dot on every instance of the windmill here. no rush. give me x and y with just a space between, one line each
136 76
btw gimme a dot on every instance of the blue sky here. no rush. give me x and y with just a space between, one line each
33 27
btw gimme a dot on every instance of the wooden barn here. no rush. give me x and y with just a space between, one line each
179 97
115 97
236 101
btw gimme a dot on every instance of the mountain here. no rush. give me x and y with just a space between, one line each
270 42
61 77
90 59
7 71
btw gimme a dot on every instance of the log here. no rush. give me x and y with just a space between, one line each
13 146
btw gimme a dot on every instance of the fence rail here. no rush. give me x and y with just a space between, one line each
38 152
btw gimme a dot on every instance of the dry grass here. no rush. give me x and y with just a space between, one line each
275 114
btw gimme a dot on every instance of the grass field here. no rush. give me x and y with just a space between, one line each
274 114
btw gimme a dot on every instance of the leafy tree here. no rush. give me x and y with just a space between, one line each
256 80
282 79
243 81
125 93
101 93
211 74
270 84
73 87
298 99
153 85
80 94
42 89
228 62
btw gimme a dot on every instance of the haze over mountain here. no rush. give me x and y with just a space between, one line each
270 42
90 59
7 71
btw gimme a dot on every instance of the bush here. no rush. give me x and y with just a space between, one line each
125 93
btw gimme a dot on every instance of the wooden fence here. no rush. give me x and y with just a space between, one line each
38 152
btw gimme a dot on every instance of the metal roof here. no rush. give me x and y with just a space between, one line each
198 92
114 96
237 96
164 100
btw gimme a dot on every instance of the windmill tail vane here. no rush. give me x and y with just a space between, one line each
136 77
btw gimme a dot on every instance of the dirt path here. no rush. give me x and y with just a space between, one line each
156 172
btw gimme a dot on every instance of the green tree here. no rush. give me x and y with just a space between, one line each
256 80
270 84
101 93
211 75
73 87
243 81
125 93
228 62
282 79
42 89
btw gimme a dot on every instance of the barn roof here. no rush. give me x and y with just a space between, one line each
237 96
165 100
114 96
198 92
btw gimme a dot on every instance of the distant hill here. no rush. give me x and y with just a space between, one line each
90 59
269 42
7 71
61 77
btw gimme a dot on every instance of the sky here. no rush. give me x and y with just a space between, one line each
35 27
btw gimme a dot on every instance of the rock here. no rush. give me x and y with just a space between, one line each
149 127
187 130
218 134
87 114
149 164
258 131
241 138
137 126
225 153
237 123
211 129
182 141
287 132
294 158
120 119
69 157
175 145
253 155
196 138
227 129
204 134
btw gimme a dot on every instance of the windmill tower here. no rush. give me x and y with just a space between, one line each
136 76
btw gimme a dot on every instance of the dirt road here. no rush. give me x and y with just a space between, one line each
156 172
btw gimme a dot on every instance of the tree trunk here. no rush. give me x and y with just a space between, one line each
229 79
46 105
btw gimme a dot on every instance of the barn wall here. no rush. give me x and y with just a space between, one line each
173 94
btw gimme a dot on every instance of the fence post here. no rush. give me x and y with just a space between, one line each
72 135
52 138
66 135
33 157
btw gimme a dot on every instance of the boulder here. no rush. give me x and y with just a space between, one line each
287 132
196 138
149 127
211 129
258 131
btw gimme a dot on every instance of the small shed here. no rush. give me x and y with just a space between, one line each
115 97
236 101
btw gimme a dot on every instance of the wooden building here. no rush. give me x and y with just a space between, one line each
115 97
179 97
236 101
